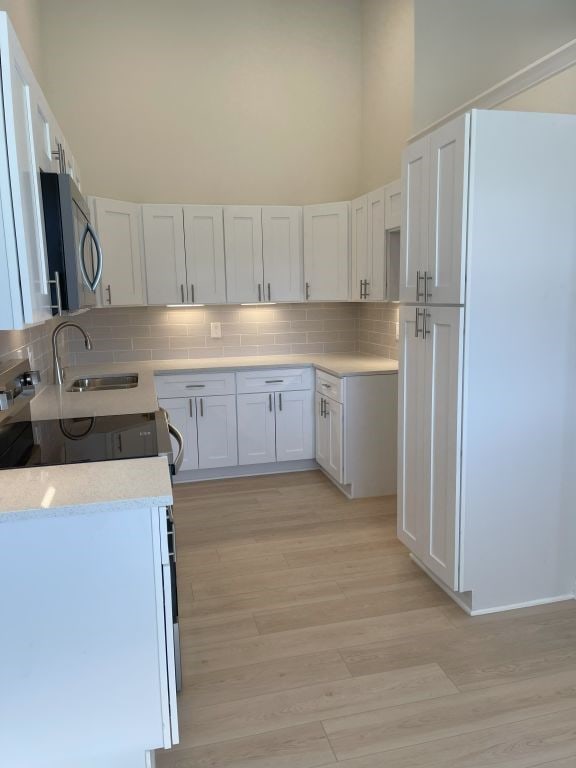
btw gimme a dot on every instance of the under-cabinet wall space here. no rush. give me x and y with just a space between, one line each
162 333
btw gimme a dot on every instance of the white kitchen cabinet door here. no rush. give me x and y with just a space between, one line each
443 390
393 205
42 122
119 230
182 413
329 436
256 428
217 431
294 425
414 231
243 243
327 252
449 160
361 272
282 253
25 291
204 241
376 245
413 451
164 253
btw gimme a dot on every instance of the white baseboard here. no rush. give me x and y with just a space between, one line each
527 604
459 599
250 470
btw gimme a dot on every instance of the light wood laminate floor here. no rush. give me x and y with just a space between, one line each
310 639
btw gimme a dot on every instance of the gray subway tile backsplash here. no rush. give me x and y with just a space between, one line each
161 333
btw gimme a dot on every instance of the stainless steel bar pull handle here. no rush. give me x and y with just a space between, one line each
192 293
280 400
417 327
56 283
307 291
321 406
366 284
191 405
182 292
109 292
259 292
274 381
195 386
270 403
427 292
426 330
269 293
202 407
419 294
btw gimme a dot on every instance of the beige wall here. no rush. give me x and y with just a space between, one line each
25 17
558 94
387 88
464 47
209 100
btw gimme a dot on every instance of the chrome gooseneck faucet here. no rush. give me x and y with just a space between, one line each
58 370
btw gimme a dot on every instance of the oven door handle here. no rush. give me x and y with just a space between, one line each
177 435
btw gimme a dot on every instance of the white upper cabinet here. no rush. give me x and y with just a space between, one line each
361 272
24 288
393 204
414 231
375 289
204 243
368 251
435 184
243 242
118 225
326 252
449 160
282 253
165 255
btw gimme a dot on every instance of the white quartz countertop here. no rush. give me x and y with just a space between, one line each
80 488
56 402
83 488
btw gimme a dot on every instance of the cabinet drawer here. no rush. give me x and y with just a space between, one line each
190 384
329 385
274 380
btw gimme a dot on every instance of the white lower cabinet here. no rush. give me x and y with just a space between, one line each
256 428
275 426
208 426
356 422
329 432
216 425
429 437
294 425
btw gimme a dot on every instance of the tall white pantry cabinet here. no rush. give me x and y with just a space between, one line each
487 416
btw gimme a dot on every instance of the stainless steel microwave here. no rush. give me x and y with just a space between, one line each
75 258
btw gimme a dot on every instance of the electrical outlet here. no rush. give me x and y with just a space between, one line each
216 330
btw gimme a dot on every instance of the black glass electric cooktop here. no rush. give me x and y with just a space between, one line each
27 443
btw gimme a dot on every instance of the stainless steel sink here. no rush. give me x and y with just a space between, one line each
102 383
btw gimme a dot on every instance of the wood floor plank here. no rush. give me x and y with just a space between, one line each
230 627
477 655
304 746
230 605
406 725
343 552
205 725
520 745
378 566
222 569
252 680
362 606
311 639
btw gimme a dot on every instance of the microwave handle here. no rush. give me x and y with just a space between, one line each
91 284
